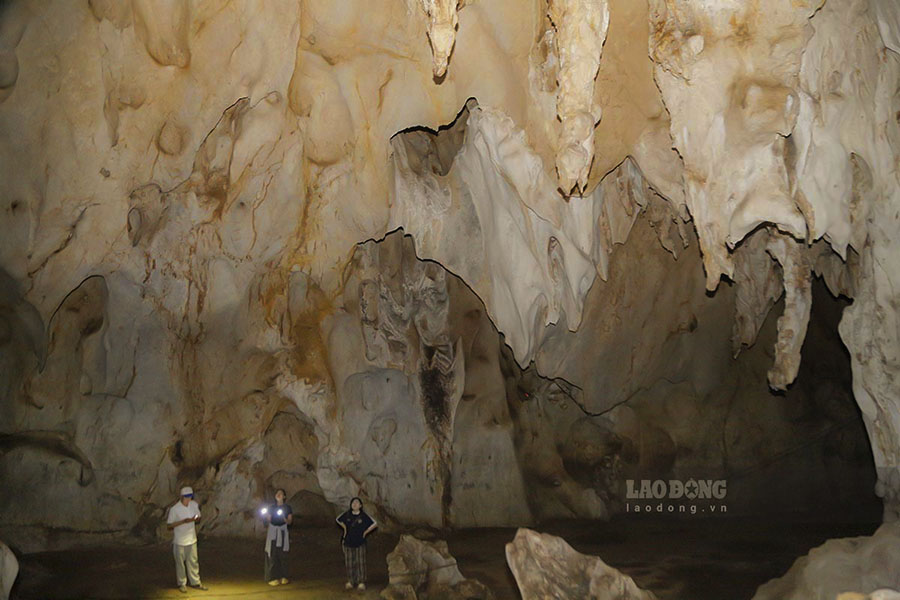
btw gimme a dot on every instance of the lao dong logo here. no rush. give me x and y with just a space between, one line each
675 489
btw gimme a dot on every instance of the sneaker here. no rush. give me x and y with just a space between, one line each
200 587
284 581
273 582
348 586
361 586
182 589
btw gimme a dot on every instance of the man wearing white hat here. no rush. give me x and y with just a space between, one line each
182 518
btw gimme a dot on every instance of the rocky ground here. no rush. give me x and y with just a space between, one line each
687 558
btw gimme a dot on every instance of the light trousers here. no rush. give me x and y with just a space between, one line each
187 555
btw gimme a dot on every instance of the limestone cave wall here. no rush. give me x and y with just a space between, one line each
455 257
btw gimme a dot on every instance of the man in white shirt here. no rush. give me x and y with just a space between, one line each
182 518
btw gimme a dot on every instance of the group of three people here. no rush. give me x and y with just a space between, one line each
355 524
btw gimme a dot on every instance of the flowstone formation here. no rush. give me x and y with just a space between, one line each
198 285
800 140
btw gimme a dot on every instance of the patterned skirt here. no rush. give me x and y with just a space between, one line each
355 561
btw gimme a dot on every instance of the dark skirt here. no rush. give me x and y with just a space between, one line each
276 563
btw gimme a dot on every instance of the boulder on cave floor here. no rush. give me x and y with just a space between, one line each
876 595
839 566
9 568
420 570
545 566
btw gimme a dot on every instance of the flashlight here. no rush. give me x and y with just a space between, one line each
280 512
264 511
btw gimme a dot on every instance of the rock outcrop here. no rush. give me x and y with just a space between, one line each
839 566
419 570
876 595
9 569
545 566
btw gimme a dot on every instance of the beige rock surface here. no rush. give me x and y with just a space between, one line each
580 34
815 147
876 595
419 570
851 134
545 566
840 566
9 569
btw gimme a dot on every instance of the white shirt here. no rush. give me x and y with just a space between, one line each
185 534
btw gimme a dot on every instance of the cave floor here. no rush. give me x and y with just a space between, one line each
700 559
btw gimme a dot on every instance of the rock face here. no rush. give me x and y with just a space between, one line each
9 569
768 141
863 192
545 566
876 595
840 565
197 285
420 570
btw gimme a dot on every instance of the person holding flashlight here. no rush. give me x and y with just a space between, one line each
182 519
278 517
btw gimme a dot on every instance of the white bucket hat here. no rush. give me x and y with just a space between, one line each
187 491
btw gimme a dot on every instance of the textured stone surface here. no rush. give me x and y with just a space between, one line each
810 128
876 595
545 566
191 287
419 569
842 565
9 569
442 23
853 133
580 33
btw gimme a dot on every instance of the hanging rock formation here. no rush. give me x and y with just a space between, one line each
442 24
580 33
